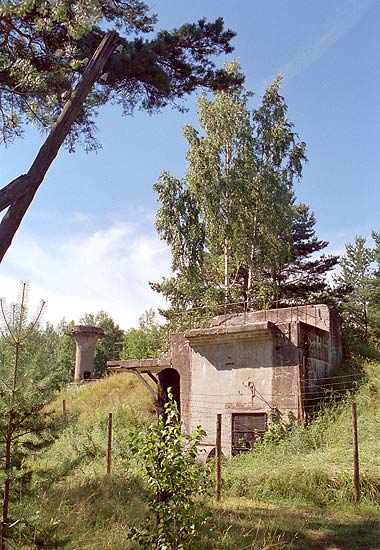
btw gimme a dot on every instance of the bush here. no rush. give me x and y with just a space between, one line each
168 462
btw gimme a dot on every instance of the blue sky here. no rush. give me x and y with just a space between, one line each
88 241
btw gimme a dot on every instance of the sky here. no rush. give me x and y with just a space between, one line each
88 242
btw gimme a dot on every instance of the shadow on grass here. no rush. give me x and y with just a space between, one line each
82 515
97 514
245 526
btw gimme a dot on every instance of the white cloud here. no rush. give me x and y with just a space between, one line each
91 270
84 219
345 21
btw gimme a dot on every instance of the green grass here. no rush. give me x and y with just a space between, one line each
73 503
314 465
297 495
263 526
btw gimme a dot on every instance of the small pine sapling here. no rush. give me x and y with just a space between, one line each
25 389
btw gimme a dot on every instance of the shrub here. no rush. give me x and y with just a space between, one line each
168 462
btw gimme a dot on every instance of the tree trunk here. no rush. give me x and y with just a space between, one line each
227 215
7 483
226 272
19 193
251 258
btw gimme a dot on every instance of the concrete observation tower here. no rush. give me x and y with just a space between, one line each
85 337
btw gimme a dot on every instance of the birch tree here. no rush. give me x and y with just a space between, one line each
230 217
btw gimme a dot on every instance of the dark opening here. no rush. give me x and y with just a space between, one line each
86 375
211 454
168 378
247 429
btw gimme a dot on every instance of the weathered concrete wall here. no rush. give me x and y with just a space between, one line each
232 376
316 315
85 338
315 345
285 372
335 343
84 357
322 354
180 360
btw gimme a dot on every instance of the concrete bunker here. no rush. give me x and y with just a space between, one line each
242 366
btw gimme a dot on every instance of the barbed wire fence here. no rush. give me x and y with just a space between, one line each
332 390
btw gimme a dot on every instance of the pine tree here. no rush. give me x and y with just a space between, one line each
47 79
301 277
45 47
355 279
26 386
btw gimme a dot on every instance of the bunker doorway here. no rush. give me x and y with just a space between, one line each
168 378
247 429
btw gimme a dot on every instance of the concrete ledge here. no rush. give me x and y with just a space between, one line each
86 330
316 315
260 330
153 365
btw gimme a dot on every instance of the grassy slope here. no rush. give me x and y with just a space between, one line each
315 465
307 480
77 505
297 495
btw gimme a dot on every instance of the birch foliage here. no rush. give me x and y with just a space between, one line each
230 217
357 277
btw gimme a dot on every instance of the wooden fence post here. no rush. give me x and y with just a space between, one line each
109 443
63 407
356 452
218 455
